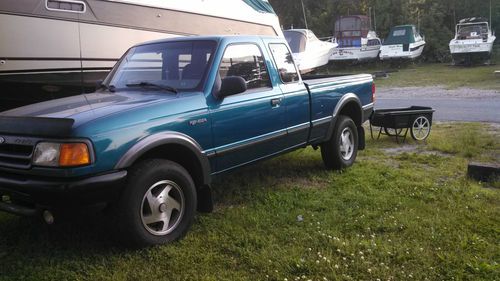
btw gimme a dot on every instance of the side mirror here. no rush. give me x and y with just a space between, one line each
232 85
98 84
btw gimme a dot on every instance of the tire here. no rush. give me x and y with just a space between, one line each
158 204
335 155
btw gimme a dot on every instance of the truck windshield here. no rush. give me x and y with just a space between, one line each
177 65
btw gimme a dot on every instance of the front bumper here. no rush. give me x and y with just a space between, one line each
25 195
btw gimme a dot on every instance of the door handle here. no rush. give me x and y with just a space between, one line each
275 102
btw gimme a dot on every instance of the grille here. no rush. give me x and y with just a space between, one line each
16 156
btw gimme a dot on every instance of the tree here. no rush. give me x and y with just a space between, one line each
435 18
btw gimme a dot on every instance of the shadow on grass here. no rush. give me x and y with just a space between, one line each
90 234
30 236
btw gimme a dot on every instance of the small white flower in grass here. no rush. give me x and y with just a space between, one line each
337 266
362 257
317 261
285 279
338 250
344 258
361 253
309 249
421 249
369 270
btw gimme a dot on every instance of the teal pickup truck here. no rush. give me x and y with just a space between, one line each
170 116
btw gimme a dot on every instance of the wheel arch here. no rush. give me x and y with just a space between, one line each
173 146
349 105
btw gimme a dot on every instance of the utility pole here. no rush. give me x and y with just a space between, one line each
490 15
304 12
370 16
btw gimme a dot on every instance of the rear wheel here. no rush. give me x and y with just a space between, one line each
158 204
341 149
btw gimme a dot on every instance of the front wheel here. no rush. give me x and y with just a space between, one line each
341 149
158 204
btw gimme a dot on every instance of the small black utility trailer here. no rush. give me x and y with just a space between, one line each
397 121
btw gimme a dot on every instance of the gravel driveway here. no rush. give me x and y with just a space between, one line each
462 104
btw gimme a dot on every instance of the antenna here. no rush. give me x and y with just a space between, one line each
304 12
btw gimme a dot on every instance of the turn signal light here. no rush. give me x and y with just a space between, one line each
74 154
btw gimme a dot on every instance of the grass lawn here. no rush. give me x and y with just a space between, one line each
402 212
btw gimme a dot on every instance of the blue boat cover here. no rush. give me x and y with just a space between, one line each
260 5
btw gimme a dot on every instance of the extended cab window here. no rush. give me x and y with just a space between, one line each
181 65
284 63
245 60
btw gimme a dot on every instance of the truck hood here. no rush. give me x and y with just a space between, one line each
57 117
88 104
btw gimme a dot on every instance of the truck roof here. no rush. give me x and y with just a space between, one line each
217 38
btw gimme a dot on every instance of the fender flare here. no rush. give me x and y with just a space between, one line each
165 138
344 100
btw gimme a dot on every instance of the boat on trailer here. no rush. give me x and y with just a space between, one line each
56 48
473 41
308 51
403 42
356 42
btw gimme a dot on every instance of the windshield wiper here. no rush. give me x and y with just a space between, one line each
110 88
150 84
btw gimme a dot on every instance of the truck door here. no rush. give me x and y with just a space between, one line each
250 125
296 95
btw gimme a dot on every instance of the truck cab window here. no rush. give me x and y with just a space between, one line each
246 61
284 63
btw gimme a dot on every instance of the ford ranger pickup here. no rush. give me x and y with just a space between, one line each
170 116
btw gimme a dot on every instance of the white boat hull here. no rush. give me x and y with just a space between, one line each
471 46
388 52
355 54
310 60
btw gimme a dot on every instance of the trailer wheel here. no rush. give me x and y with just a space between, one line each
341 149
421 128
158 204
393 132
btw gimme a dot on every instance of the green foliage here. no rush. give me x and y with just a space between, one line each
435 18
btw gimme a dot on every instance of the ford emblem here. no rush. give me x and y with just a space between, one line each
2 140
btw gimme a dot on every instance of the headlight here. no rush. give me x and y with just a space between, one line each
50 154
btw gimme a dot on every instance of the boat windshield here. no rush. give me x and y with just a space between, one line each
296 40
402 35
472 31
177 65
